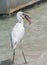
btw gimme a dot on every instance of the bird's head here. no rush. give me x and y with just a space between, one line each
22 15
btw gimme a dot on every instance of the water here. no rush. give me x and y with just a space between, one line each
35 39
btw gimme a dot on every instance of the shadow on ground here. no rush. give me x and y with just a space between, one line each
9 62
6 62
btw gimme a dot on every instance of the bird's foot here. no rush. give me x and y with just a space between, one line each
25 62
12 62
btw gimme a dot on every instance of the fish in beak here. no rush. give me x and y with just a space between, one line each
27 17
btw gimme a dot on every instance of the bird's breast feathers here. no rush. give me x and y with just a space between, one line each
18 31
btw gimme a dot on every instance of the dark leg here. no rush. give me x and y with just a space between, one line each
23 55
13 55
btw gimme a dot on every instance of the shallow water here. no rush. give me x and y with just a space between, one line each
35 39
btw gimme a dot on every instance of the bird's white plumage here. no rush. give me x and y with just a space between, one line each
18 31
17 34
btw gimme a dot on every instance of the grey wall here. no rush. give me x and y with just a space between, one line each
2 6
14 3
6 5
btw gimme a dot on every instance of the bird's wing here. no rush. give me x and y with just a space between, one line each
17 33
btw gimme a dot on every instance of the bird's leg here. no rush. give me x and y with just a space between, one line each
23 55
13 55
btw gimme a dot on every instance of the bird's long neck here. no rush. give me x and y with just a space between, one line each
20 20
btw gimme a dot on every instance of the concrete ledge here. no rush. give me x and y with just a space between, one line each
24 5
9 7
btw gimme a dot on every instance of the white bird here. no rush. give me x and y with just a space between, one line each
18 32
